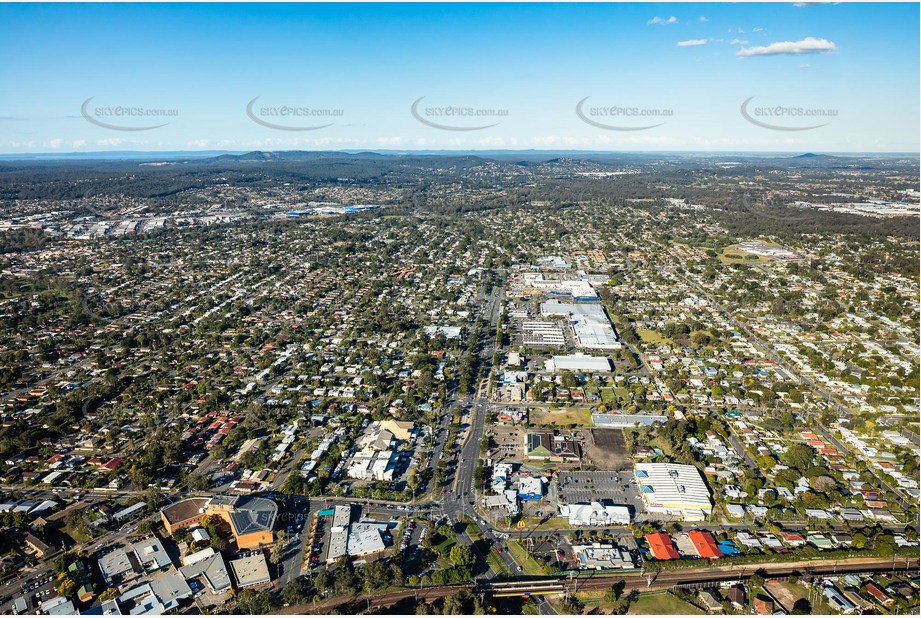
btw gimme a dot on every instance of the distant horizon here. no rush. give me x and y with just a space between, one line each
138 154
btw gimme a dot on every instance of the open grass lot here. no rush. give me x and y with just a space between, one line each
607 396
551 523
443 549
788 594
565 416
661 603
622 394
746 258
652 337
485 547
529 565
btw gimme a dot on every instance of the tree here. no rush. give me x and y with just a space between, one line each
250 602
66 587
461 603
293 592
787 419
859 540
529 607
885 545
799 456
278 549
462 555
572 604
196 482
109 594
802 607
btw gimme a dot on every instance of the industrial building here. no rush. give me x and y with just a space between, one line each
207 565
531 487
625 421
671 489
156 597
578 362
589 322
602 556
251 571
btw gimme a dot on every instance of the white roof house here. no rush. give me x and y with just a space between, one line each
595 514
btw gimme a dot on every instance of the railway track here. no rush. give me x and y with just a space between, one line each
664 580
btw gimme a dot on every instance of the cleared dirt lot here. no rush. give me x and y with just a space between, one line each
607 449
580 417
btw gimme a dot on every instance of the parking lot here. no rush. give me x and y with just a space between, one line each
583 487
508 442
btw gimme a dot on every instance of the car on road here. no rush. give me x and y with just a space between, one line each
519 569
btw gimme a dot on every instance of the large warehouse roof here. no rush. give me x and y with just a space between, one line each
589 321
578 362
673 488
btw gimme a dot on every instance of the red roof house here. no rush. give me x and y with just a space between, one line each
705 545
662 546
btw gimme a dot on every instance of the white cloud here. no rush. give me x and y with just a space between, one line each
805 66
702 19
692 43
80 143
738 42
389 141
757 29
110 141
662 22
198 143
56 142
809 45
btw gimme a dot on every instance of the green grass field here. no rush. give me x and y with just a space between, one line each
734 250
552 523
607 396
529 565
443 549
564 416
661 603
652 337
495 562
622 394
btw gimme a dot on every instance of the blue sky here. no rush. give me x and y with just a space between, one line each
688 68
